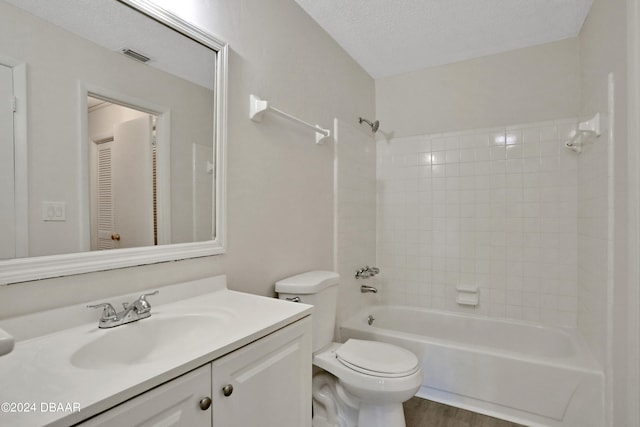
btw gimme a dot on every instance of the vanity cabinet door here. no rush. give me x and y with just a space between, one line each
266 383
176 403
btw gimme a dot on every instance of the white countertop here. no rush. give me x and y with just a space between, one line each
38 375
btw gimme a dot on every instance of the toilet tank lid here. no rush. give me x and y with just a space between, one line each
307 283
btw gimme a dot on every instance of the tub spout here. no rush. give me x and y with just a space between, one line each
368 289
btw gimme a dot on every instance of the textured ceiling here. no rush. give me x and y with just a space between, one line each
389 37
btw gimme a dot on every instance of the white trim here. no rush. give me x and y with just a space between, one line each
633 138
611 255
336 187
21 172
220 212
163 176
84 182
26 269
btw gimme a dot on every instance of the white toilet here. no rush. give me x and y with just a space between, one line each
363 383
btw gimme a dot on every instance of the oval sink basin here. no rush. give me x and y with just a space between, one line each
146 340
6 342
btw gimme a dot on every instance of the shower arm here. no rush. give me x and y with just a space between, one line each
374 126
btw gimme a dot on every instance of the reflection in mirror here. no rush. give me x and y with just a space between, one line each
117 136
122 173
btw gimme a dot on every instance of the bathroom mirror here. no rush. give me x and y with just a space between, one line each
114 153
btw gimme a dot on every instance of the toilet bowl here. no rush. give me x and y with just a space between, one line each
362 383
374 378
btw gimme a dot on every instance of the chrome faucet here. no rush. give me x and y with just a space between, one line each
366 272
368 289
137 310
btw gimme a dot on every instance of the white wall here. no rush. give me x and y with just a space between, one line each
280 184
526 85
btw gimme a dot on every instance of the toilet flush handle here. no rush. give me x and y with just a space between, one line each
293 299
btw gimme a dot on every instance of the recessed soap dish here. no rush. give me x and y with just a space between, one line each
467 295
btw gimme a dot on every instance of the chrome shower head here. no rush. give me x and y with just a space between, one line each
374 126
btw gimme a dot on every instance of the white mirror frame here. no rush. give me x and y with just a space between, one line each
35 268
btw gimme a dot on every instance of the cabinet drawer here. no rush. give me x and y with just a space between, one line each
176 403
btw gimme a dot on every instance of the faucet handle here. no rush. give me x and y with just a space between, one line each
108 311
363 273
142 305
366 272
143 296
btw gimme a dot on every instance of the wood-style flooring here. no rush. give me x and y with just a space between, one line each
426 413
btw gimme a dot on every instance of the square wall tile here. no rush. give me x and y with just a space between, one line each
498 208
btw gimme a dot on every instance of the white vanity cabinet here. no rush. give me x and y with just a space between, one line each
266 383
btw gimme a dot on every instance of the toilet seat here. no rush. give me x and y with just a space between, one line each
377 358
365 384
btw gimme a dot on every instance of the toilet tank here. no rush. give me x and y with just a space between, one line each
320 289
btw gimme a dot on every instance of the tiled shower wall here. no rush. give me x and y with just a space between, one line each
492 208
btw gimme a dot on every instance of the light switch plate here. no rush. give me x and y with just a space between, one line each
54 211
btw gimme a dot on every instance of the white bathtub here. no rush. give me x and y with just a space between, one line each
533 375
